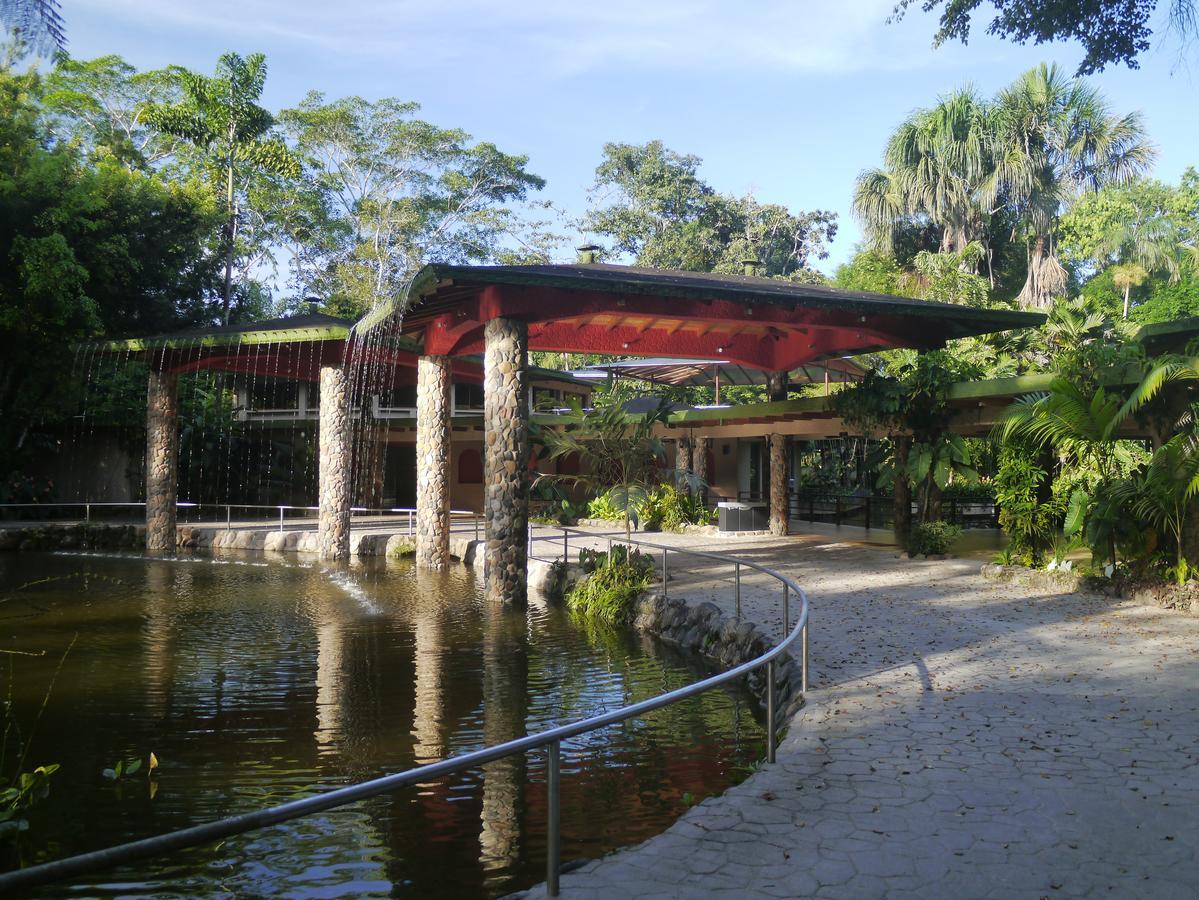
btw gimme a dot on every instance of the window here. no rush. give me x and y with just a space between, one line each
544 398
468 396
274 394
470 467
400 396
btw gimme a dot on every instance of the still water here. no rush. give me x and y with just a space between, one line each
257 682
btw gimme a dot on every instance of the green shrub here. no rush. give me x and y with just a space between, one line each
669 509
1029 522
602 507
611 589
932 538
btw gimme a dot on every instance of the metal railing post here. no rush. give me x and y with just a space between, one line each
737 591
663 573
228 516
409 523
553 834
770 734
280 519
565 546
476 527
803 664
786 609
87 513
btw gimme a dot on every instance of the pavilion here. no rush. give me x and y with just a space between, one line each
765 324
450 314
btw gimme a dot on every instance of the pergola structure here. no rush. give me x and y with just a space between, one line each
451 313
505 311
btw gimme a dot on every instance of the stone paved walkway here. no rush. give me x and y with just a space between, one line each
963 739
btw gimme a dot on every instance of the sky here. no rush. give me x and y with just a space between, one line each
789 100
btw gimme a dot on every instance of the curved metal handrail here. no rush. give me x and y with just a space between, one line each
551 739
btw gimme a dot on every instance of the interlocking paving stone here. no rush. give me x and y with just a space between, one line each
963 738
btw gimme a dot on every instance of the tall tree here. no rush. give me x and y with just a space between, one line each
651 204
100 105
221 118
937 169
1111 31
385 192
1055 137
90 248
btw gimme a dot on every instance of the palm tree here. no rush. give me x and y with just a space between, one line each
1054 136
1146 244
221 117
1125 277
620 454
37 23
935 164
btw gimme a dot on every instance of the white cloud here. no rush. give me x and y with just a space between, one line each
560 38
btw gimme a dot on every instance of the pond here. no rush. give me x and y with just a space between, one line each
257 682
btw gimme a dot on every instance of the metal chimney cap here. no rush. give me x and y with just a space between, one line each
587 253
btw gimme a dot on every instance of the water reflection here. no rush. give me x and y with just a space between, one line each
256 684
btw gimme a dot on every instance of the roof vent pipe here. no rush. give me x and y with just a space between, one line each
587 254
751 265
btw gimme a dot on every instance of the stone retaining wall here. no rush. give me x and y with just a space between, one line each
702 628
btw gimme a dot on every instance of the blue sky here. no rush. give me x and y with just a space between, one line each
789 100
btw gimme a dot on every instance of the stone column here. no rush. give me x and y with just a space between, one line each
333 528
699 462
505 461
778 484
433 461
682 460
776 386
162 461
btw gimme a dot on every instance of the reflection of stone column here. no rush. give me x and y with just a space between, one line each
505 460
158 628
433 461
699 462
330 651
333 527
505 706
162 460
778 484
428 743
682 459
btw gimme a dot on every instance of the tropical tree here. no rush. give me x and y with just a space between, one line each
936 169
1110 31
620 455
651 204
101 105
1055 137
1126 276
384 191
37 23
221 118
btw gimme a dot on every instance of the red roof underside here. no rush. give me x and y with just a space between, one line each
763 336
